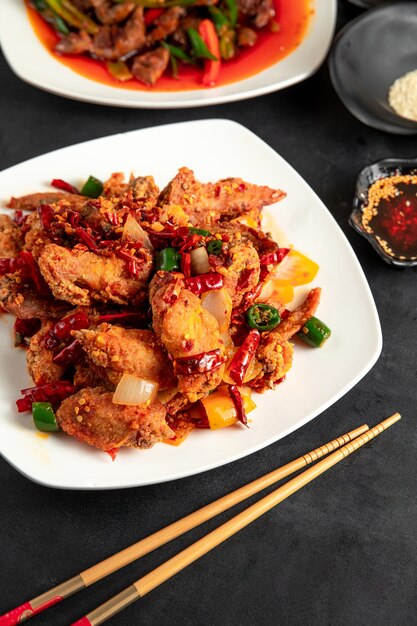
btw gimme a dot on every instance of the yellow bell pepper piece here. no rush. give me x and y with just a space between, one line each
296 268
277 291
220 409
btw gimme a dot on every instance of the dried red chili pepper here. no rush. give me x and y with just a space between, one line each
25 328
51 392
58 183
85 238
198 363
238 402
205 282
70 354
272 258
186 264
190 242
62 329
112 453
245 278
173 291
120 317
34 273
133 263
46 216
241 361
9 266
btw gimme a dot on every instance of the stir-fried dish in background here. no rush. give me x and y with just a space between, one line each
149 313
143 40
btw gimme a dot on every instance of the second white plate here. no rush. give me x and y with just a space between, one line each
32 63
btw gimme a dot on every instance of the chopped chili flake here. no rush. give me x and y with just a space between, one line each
86 238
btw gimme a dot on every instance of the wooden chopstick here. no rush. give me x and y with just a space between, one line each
202 546
163 536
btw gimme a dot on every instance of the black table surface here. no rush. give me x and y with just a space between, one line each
343 550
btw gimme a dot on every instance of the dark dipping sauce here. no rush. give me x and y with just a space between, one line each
391 215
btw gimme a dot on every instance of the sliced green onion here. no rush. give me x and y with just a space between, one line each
93 187
263 317
214 246
167 260
177 52
233 11
218 17
44 417
200 49
314 332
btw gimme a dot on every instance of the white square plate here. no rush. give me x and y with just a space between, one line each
32 63
318 377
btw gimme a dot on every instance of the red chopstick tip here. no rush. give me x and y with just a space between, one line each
15 616
84 621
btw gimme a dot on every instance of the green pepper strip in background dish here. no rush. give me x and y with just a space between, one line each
200 49
168 259
178 53
314 332
44 417
233 11
263 317
218 17
214 246
93 188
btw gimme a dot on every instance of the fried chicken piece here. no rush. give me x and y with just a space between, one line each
260 11
241 271
39 359
81 277
225 200
297 318
90 416
144 190
149 67
115 185
86 375
275 351
33 200
10 237
25 303
185 328
120 350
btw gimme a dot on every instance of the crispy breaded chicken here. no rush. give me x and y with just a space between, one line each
10 237
275 351
116 350
224 200
185 328
90 416
25 303
81 277
39 359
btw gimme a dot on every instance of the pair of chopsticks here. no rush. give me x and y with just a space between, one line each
337 450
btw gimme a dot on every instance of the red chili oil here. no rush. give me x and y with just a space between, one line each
391 215
293 16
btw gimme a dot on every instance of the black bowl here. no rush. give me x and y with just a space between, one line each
370 174
368 55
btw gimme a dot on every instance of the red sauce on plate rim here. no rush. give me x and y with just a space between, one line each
293 16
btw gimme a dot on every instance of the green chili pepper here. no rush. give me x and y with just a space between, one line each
72 16
218 17
44 417
314 332
214 246
168 259
233 11
227 44
39 5
200 49
174 66
199 231
93 187
60 25
178 53
263 317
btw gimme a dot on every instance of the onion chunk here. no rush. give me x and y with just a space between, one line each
133 391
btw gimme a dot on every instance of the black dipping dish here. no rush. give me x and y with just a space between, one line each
369 175
368 55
